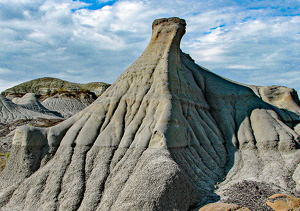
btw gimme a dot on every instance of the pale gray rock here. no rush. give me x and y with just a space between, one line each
63 105
164 136
67 107
31 109
29 101
6 141
20 112
7 131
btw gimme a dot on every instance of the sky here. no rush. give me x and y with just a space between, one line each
252 42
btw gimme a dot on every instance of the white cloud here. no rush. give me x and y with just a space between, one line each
5 71
266 43
122 16
5 84
214 53
243 67
104 1
283 78
63 38
19 1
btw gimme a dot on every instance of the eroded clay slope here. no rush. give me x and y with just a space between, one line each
29 101
29 108
67 107
160 138
25 110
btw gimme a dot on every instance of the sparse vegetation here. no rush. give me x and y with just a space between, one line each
3 160
84 90
54 92
62 90
48 93
47 86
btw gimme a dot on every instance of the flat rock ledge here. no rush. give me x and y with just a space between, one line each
283 202
223 207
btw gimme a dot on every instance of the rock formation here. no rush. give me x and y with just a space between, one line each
7 131
29 101
26 108
283 202
42 86
223 207
167 135
57 95
67 107
22 111
279 96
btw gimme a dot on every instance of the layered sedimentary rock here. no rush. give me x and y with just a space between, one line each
57 95
22 111
66 106
167 135
30 102
27 107
279 96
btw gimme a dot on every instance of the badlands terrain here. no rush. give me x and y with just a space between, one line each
167 135
43 102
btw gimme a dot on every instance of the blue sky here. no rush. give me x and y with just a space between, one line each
95 4
252 42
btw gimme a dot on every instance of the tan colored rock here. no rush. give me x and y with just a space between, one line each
223 207
281 97
283 202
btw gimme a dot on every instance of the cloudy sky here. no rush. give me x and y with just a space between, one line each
253 42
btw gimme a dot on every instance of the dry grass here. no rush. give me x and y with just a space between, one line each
3 160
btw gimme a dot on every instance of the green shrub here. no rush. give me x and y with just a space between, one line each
7 155
48 93
61 90
84 90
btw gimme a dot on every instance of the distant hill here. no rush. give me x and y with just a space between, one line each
43 86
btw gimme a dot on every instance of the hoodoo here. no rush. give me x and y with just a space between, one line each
167 135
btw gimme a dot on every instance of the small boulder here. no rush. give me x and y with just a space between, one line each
283 202
223 207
